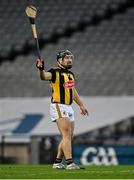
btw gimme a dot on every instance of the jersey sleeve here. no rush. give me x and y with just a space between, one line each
53 72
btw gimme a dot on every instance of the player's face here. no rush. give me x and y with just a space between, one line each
67 62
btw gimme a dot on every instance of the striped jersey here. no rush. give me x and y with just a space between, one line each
62 84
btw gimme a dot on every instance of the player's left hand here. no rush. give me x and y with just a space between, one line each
40 64
84 110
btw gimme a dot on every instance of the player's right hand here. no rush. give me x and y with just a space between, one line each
40 64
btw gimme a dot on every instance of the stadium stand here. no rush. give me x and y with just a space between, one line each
104 29
116 134
50 22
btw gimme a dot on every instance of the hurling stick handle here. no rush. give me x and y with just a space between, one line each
37 48
34 31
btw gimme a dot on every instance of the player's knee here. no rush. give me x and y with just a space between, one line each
67 135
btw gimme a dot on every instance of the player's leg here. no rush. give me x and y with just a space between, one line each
64 148
72 165
58 161
72 129
59 157
66 128
60 153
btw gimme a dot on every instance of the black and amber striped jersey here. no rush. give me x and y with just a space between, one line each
62 84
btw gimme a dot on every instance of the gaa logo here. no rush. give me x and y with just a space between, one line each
99 156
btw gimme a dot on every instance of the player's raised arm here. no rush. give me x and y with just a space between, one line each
43 74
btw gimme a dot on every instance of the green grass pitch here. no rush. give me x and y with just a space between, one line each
46 172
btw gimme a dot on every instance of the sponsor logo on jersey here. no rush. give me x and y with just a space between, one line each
69 84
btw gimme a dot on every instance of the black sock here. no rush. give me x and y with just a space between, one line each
58 160
69 161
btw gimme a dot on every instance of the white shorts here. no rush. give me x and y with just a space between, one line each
61 110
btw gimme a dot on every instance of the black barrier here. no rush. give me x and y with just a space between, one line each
47 149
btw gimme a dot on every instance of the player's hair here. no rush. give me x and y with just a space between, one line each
63 53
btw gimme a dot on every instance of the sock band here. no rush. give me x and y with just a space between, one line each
58 160
69 161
